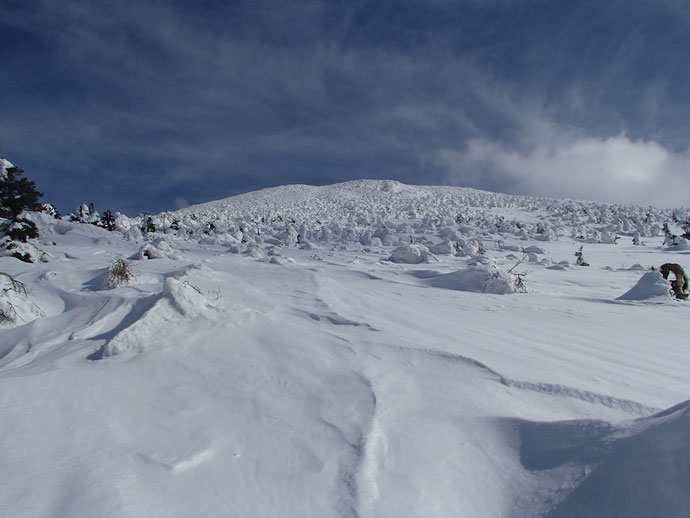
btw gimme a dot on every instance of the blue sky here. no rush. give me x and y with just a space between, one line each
149 106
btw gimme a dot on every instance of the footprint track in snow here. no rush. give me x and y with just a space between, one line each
181 465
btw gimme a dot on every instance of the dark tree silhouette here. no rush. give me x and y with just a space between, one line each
108 221
17 194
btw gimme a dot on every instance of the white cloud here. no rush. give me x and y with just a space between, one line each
181 203
615 169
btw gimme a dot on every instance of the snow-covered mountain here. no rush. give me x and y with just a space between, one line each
367 349
350 209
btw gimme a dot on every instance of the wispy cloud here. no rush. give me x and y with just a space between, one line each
614 169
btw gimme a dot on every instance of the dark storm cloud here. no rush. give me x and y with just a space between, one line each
135 105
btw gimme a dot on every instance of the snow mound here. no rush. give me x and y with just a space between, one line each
651 286
27 251
638 470
443 248
410 254
683 244
479 279
15 306
534 250
178 301
159 248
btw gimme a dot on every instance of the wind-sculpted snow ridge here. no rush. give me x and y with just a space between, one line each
373 212
179 301
637 469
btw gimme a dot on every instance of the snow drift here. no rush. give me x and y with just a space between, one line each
636 470
651 286
477 279
178 301
410 254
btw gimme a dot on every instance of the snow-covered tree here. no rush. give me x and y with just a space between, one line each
107 221
580 259
17 195
85 213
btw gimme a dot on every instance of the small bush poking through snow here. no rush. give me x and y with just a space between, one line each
580 261
119 273
10 286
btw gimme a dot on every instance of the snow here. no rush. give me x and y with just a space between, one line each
4 166
651 286
270 358
478 279
649 454
683 245
410 254
15 304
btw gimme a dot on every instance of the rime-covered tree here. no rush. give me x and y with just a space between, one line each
107 221
686 229
148 225
669 237
580 258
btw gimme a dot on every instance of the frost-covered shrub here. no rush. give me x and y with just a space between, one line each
580 259
119 273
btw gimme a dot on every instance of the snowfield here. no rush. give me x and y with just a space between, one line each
358 350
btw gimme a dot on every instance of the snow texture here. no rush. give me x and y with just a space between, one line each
343 351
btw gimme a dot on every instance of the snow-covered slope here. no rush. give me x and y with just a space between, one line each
351 209
364 349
